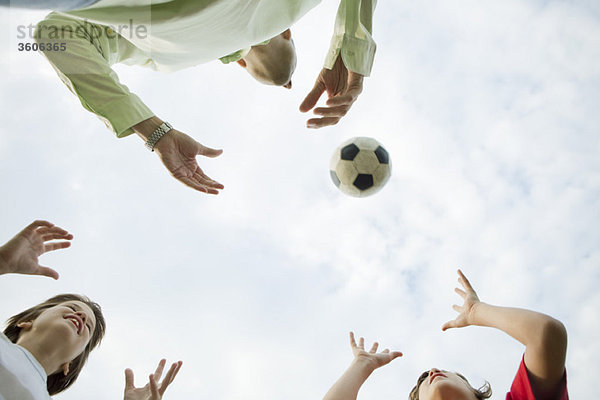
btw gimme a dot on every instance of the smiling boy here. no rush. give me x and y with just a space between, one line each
44 348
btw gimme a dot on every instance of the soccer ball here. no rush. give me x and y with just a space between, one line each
360 167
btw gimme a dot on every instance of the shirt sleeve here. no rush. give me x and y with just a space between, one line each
521 388
238 55
82 54
352 36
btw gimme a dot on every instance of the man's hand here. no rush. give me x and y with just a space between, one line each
20 254
152 390
471 301
371 357
178 152
343 88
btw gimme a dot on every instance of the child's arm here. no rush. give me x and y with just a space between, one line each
544 337
364 363
20 254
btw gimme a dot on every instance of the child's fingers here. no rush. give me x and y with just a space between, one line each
460 292
37 224
457 308
52 230
153 387
395 354
374 347
55 236
56 246
128 379
170 377
464 281
179 364
159 369
46 271
175 370
352 341
361 343
449 324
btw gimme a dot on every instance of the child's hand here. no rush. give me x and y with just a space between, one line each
374 359
471 301
20 254
152 390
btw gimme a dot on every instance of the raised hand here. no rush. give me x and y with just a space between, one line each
343 88
465 312
152 390
20 254
178 152
373 358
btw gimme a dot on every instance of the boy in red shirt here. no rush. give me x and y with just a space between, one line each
541 375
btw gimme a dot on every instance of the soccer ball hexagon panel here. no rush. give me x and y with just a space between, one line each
360 167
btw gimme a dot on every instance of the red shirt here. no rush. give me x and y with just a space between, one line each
521 387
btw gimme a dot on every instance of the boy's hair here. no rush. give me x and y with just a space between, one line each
484 392
58 381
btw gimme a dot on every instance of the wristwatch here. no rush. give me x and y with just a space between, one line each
157 134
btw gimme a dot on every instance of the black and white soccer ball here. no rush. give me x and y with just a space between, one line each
360 167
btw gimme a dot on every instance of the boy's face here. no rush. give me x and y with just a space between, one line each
67 327
444 385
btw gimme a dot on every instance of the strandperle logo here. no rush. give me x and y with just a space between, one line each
83 30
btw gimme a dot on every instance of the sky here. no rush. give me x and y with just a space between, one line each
489 114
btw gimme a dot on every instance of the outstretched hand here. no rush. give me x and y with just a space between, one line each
178 152
373 358
20 254
465 312
343 88
152 390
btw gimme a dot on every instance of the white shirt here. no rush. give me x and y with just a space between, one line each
177 34
21 375
169 35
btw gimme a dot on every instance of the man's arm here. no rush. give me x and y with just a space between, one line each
349 60
363 364
544 337
82 54
352 40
